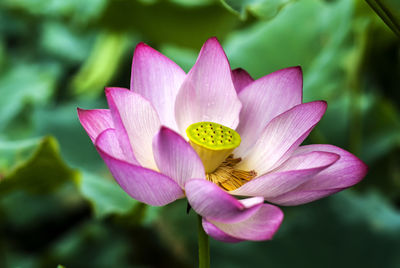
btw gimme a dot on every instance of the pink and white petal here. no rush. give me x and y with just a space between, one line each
217 234
208 93
241 79
142 184
299 197
121 131
175 157
263 100
282 136
138 120
344 173
157 79
108 142
260 226
347 171
211 202
294 172
95 121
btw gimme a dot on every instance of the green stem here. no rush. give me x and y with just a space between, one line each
204 246
384 13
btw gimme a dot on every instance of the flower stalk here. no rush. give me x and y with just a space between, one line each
204 245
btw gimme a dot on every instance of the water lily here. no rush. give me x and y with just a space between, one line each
213 134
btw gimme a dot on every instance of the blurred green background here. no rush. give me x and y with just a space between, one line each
58 202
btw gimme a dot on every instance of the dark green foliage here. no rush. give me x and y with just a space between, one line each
60 206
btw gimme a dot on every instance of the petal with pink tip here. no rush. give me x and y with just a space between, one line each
121 131
208 93
95 121
260 226
175 157
292 173
295 198
217 234
139 121
107 141
157 79
144 185
282 136
263 100
346 172
211 202
241 79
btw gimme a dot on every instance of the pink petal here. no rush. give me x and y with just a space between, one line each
261 225
217 234
175 157
107 141
282 136
158 80
295 198
208 94
241 79
142 184
294 172
346 172
136 117
263 100
95 121
211 202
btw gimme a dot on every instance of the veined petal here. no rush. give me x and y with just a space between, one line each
211 202
95 121
208 94
241 79
282 136
261 225
175 157
346 172
144 185
292 173
217 234
264 99
108 142
138 120
295 198
157 79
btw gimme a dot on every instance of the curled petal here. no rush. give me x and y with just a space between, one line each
107 141
260 226
135 118
144 185
175 157
157 79
217 234
295 198
264 99
208 94
211 202
347 171
294 172
344 173
95 121
282 136
241 79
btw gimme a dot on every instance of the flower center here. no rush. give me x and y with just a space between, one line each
214 144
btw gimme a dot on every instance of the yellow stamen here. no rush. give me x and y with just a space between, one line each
228 177
214 144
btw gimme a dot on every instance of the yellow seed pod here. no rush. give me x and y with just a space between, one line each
212 142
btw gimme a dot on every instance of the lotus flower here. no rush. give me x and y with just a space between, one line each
213 134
